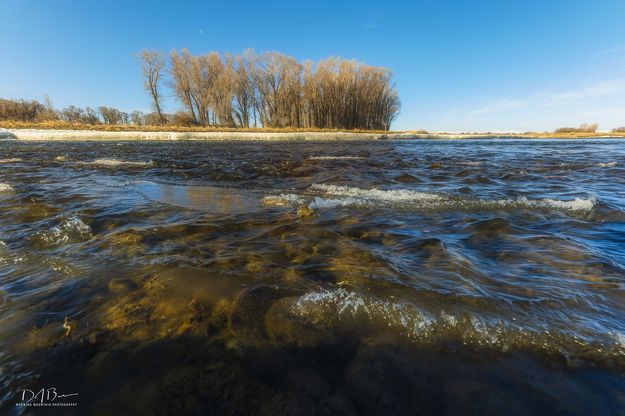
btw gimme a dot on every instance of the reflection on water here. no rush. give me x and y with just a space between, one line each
214 199
473 277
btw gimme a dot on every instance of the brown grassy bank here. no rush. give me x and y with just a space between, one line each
62 125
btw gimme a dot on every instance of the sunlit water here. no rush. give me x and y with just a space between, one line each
480 277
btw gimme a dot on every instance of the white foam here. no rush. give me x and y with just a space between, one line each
324 306
11 160
69 230
335 158
333 196
5 187
342 309
4 253
397 195
326 203
283 200
607 164
117 163
577 204
472 163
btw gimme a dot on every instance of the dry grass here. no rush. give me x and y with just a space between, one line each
571 135
62 125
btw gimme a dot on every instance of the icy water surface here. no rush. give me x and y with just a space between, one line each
427 277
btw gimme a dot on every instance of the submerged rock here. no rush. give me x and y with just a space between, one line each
284 327
245 314
118 285
304 211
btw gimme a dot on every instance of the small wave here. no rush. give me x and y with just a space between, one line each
283 200
397 195
341 309
4 253
472 163
11 160
68 230
577 165
335 158
341 196
117 163
5 187
607 164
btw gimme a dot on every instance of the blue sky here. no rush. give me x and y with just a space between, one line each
458 65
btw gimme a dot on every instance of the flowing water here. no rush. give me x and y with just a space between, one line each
387 277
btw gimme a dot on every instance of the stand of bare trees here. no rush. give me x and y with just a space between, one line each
246 90
584 128
24 110
33 111
274 90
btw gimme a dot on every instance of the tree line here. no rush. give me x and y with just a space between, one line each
34 111
584 128
270 90
245 90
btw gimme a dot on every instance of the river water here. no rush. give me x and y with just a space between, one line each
303 277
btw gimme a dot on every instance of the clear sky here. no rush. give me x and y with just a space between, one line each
459 65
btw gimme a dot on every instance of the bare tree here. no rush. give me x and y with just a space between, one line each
583 128
180 71
242 90
152 64
89 116
277 91
21 110
113 116
72 114
137 118
49 113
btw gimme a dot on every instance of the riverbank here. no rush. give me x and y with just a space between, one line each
185 133
48 135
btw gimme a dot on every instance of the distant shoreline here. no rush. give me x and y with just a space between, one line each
46 134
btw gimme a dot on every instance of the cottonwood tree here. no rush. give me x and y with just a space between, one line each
89 116
22 110
277 91
180 72
72 114
152 65
136 118
114 116
584 128
242 90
